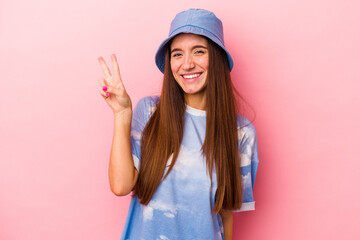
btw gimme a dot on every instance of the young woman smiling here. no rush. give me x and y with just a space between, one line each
188 158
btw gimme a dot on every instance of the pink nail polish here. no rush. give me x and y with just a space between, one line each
107 94
104 88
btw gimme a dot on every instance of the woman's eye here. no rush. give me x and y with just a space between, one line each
176 55
199 52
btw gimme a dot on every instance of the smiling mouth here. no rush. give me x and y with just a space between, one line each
191 76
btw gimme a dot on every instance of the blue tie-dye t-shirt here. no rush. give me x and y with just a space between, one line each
180 208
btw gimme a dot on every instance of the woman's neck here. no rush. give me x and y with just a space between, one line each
197 101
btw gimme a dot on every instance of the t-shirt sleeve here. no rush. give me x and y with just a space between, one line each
248 166
141 114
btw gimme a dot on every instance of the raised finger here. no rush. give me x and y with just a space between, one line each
116 70
104 67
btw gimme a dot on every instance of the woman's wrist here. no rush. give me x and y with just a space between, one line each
123 117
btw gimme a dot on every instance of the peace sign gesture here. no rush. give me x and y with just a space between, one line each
113 90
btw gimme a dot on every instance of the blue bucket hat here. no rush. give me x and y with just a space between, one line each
196 21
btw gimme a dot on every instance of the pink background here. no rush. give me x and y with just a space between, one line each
296 62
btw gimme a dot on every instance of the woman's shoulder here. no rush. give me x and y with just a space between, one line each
149 101
147 105
245 127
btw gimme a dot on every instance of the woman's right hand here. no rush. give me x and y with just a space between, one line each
113 90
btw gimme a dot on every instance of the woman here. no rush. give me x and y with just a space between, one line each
188 158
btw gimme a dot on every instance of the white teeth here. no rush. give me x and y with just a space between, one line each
191 76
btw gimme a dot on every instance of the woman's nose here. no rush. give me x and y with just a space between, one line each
188 63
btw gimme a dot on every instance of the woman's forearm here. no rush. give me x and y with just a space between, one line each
227 219
122 174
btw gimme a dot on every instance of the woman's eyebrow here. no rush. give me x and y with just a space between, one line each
199 46
175 49
196 46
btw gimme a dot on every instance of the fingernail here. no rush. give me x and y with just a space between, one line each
104 88
107 94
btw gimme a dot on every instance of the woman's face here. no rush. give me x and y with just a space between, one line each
189 60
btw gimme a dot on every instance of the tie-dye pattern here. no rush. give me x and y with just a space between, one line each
181 205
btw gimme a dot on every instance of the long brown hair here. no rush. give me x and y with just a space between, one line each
220 147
